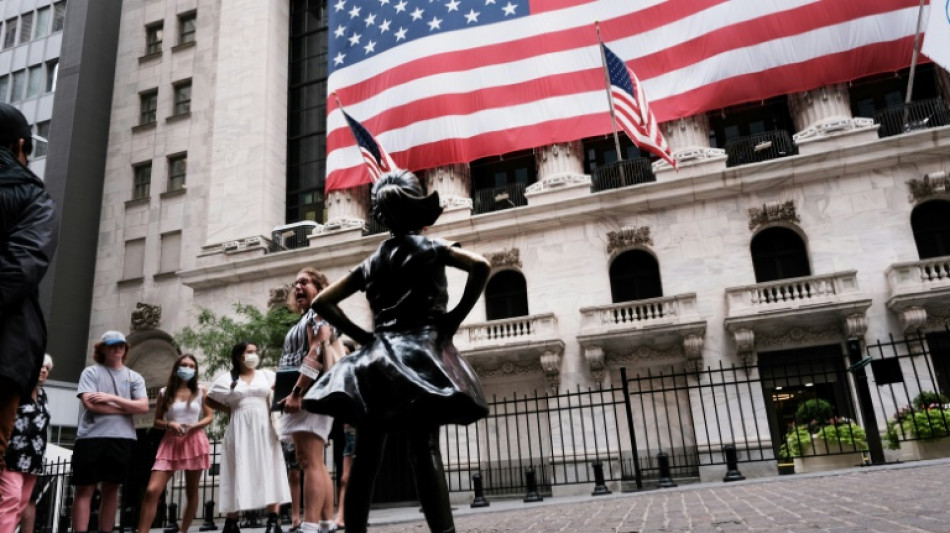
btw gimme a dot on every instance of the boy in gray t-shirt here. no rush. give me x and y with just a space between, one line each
111 394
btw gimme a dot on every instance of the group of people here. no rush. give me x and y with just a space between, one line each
406 376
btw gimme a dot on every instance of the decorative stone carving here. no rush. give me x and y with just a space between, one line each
856 325
932 184
146 316
745 344
772 212
912 318
693 347
277 297
453 183
798 336
627 237
506 368
551 364
644 354
561 159
505 258
688 138
595 361
346 209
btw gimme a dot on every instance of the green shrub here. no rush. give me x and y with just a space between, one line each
814 413
845 436
925 424
929 399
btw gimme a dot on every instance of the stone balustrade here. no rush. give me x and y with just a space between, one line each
792 293
522 329
639 314
920 275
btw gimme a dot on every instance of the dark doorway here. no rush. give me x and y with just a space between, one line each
506 296
635 275
931 224
779 253
939 345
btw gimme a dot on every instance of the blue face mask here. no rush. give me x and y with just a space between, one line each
186 373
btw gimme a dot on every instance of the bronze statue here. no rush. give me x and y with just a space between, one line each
407 375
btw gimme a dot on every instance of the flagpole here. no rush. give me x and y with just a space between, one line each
913 63
610 97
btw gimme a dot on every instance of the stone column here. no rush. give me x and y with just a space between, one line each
560 173
825 113
688 138
454 185
246 191
347 209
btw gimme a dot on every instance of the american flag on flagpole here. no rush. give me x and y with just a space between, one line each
631 108
451 81
375 157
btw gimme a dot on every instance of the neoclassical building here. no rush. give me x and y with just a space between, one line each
790 226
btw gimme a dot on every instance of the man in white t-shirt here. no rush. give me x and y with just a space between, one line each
110 393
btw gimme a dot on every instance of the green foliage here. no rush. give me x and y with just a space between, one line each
842 436
919 424
814 413
798 439
929 399
214 336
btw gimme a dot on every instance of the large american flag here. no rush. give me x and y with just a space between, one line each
377 160
451 81
632 108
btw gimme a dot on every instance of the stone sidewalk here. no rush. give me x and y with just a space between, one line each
909 497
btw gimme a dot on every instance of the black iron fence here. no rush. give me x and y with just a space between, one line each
760 147
499 198
622 174
919 115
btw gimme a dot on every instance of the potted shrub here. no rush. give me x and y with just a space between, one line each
819 441
918 429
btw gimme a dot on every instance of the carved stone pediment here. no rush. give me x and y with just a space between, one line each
505 258
146 316
772 212
627 237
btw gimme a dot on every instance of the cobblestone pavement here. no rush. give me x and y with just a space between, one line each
909 497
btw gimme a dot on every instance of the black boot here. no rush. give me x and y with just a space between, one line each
273 524
231 526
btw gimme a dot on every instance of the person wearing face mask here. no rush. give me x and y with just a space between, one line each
24 456
181 411
253 473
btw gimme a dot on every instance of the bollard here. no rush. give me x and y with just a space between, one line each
479 500
208 524
600 487
172 526
666 479
532 494
732 464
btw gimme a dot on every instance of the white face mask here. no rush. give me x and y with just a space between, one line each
252 360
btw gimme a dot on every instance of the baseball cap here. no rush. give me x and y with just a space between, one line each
13 125
113 337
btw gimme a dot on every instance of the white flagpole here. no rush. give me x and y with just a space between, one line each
913 62
610 97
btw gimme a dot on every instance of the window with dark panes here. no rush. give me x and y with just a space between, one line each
779 253
41 28
306 121
141 180
35 81
41 145
635 275
506 296
4 88
148 106
153 38
183 97
186 27
9 38
177 167
600 151
59 15
52 74
749 119
26 27
19 86
930 222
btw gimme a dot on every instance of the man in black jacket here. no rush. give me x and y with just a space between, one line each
29 225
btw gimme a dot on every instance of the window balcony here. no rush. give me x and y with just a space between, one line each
519 344
499 198
760 147
920 115
622 174
918 289
667 325
809 302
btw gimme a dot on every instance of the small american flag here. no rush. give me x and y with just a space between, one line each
631 108
374 155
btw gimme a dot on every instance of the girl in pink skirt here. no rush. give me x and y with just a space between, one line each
182 412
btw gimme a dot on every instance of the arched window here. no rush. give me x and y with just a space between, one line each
635 275
931 224
779 253
506 296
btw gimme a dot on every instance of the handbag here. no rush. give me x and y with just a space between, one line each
284 381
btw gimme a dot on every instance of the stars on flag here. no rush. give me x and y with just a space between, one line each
365 28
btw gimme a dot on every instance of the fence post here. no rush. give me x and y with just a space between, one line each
732 464
633 436
172 526
857 369
600 487
479 500
666 479
208 524
532 483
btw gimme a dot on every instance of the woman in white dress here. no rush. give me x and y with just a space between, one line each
253 474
